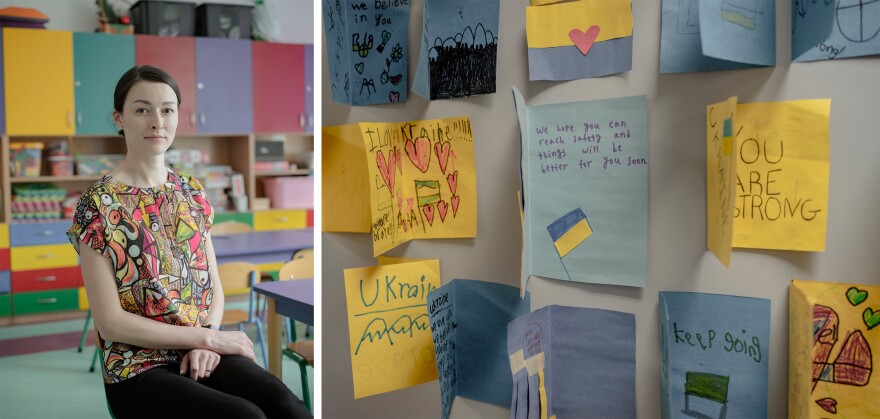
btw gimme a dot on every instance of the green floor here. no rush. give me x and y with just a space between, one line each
58 384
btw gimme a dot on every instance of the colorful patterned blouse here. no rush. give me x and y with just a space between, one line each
155 241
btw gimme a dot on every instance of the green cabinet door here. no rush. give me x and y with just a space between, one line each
242 217
99 60
45 301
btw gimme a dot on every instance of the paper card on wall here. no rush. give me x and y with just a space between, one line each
568 362
833 345
389 331
714 355
458 49
720 178
345 180
826 30
585 181
579 39
733 34
469 326
367 50
422 180
782 175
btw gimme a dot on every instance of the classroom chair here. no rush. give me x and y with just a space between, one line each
301 352
237 277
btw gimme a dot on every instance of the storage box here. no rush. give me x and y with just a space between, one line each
291 192
97 164
223 21
269 150
24 159
60 165
166 18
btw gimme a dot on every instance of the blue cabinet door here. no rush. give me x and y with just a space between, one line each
309 79
99 60
224 85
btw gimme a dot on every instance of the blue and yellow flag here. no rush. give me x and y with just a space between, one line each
569 231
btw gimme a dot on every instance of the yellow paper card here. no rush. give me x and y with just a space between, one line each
345 180
422 180
389 330
720 178
391 260
550 26
833 345
782 175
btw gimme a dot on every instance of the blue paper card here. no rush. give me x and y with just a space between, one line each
585 190
459 48
827 30
469 327
713 35
714 353
367 50
571 362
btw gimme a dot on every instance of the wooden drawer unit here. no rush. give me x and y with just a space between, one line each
39 233
4 259
27 258
5 283
46 279
45 301
279 220
5 305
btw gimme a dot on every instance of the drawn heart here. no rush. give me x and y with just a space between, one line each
584 40
452 180
394 96
429 213
454 201
398 159
442 153
442 208
856 296
359 67
395 80
409 204
404 226
872 318
400 202
829 404
386 169
419 153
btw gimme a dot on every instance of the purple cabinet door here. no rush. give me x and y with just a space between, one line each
309 80
224 86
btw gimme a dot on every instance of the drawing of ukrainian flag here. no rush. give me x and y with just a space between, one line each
569 231
427 192
727 137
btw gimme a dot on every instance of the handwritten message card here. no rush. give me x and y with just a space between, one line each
827 30
720 178
710 35
367 50
714 355
388 325
422 180
585 188
833 337
579 39
345 180
469 326
568 362
459 46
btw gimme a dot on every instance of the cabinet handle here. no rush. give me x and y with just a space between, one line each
79 118
52 300
49 278
302 119
46 256
192 118
47 232
202 118
281 219
311 120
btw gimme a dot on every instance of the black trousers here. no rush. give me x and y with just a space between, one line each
237 388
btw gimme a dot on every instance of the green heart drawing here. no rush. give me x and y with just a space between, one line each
872 318
856 296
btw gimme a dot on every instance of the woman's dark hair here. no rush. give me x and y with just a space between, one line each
136 74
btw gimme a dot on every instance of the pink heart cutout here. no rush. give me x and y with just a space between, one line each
452 180
442 154
454 201
429 214
584 40
386 169
419 153
442 208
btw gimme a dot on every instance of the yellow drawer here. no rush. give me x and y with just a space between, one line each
83 300
43 257
4 235
279 220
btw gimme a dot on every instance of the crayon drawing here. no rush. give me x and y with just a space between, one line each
828 30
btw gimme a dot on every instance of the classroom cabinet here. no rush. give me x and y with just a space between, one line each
38 78
177 56
224 85
99 60
279 99
309 83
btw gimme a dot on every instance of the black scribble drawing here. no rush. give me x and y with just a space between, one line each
463 65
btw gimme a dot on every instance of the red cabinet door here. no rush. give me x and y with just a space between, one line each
177 56
279 91
46 279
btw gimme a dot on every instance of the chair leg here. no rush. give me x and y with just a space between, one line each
95 358
82 339
305 386
262 344
291 331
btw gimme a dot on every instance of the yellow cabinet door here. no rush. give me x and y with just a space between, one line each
39 82
279 219
43 257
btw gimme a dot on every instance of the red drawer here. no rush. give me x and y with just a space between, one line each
4 259
46 279
310 218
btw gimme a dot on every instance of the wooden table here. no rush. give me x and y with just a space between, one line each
293 298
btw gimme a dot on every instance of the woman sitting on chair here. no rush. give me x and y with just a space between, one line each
152 282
